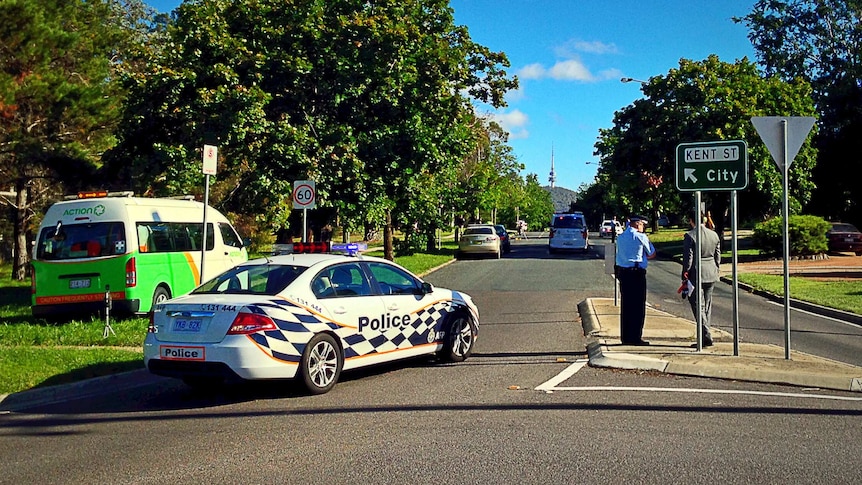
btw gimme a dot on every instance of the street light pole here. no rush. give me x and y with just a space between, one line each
631 79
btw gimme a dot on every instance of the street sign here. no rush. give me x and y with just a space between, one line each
772 131
303 194
210 159
713 165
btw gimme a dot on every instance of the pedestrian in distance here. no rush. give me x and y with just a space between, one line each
710 259
634 249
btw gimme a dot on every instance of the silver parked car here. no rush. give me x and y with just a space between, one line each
480 240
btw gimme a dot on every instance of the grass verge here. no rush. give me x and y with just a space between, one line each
842 295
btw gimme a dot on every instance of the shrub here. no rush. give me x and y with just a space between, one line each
807 235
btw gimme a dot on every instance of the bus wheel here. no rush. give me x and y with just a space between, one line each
161 295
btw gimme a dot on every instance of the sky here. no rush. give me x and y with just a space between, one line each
569 56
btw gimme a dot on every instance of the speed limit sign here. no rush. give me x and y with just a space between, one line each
303 194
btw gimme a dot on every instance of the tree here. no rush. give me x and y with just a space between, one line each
59 98
703 101
820 42
362 97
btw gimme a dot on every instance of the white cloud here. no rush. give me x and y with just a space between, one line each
571 47
570 70
514 122
532 71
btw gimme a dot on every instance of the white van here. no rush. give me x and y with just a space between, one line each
568 232
141 250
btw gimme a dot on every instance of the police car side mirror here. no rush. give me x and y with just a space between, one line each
426 288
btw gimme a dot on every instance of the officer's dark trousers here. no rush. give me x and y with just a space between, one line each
632 303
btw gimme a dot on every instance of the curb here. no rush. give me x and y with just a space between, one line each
31 398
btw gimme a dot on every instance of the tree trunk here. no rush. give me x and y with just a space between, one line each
21 256
388 250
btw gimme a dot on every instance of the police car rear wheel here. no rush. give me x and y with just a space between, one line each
321 364
460 338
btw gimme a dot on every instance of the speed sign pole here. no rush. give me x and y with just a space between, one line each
304 198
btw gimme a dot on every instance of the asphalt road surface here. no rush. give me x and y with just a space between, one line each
524 409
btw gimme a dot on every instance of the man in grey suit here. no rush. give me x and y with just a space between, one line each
710 258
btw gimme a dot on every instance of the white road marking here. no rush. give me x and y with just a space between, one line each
800 310
550 385
694 391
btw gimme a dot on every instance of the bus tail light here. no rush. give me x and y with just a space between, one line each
131 273
33 280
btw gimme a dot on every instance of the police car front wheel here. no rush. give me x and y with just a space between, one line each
460 337
321 364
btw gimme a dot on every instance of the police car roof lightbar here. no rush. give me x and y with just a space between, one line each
350 249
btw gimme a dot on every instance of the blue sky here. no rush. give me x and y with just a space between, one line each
570 55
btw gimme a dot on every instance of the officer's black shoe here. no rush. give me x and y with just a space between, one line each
636 342
707 342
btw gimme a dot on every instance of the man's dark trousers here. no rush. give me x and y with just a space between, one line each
632 303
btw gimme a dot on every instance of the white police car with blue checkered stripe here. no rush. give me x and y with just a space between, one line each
306 316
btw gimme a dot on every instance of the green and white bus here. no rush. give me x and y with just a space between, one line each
140 250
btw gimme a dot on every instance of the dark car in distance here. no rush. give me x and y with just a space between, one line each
505 243
844 237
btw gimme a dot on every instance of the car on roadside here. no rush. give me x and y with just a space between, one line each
479 240
844 237
306 316
568 232
505 241
609 227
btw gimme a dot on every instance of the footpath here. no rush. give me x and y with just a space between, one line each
673 350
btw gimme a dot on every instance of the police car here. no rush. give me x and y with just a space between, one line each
306 315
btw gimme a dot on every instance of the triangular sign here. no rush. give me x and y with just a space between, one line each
770 130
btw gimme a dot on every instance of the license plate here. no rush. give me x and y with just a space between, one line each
848 239
182 352
188 325
79 284
478 242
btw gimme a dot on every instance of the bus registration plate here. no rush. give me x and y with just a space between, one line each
188 325
79 284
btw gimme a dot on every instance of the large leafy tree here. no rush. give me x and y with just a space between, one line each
59 97
362 97
703 101
821 42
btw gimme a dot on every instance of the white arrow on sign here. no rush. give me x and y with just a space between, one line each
689 175
772 133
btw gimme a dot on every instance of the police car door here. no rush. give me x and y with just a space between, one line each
412 317
345 293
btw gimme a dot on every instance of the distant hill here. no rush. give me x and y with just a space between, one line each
561 197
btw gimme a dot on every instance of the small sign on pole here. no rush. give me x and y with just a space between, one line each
210 159
304 198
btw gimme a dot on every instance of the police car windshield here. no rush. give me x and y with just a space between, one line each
260 279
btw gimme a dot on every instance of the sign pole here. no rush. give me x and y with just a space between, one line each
204 244
304 224
786 212
698 286
733 227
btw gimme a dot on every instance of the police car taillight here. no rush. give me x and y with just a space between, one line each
246 323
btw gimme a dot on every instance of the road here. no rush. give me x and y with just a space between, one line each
480 422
